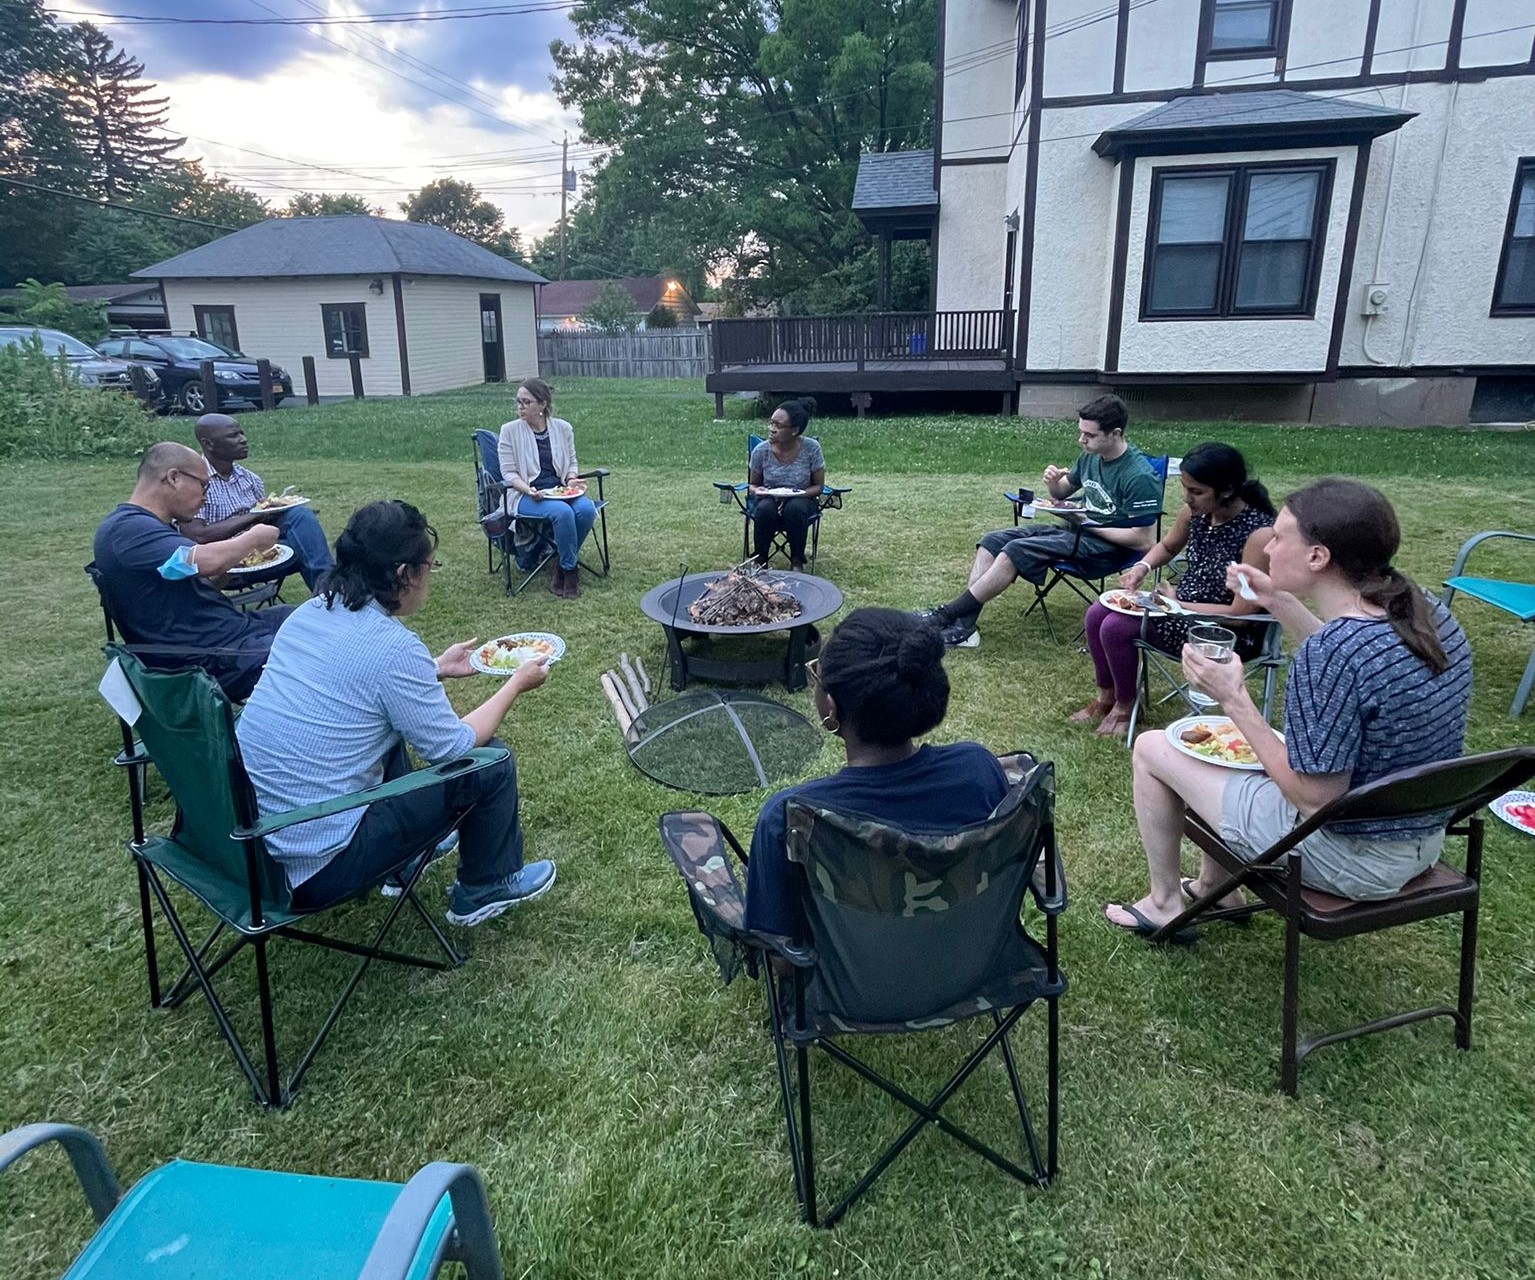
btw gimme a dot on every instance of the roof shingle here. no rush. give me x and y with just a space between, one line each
894 180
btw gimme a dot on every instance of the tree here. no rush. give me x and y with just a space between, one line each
459 208
735 129
118 125
319 204
612 311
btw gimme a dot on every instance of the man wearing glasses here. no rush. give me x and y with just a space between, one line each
158 585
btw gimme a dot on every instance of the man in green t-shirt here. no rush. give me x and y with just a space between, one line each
1121 499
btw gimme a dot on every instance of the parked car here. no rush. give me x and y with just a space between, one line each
90 368
179 363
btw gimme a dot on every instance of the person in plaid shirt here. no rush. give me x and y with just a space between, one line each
233 490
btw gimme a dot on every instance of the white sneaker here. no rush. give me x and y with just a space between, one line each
393 888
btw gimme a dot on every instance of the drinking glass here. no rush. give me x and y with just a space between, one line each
1213 642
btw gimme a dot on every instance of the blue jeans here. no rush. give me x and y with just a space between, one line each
300 529
569 522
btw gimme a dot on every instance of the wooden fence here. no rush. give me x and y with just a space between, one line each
662 354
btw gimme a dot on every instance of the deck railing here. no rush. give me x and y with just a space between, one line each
876 336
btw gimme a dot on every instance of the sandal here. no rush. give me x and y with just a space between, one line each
1113 724
1091 713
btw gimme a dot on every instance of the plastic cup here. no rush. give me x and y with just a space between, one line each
1213 642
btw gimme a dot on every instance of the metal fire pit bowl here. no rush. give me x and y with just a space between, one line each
668 605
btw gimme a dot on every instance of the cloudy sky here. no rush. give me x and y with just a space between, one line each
378 109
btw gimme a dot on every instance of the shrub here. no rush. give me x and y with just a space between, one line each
48 307
611 311
45 413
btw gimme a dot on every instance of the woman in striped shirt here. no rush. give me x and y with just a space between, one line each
1381 682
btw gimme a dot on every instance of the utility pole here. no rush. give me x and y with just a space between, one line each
564 188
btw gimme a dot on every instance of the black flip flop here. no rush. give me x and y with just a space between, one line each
1145 928
1186 885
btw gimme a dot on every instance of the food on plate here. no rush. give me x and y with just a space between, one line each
510 652
1524 814
1124 600
1051 504
258 558
275 501
1220 742
563 491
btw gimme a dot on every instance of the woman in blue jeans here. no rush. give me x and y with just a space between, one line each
538 453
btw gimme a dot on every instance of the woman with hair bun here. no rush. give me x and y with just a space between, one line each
787 459
1226 517
1381 682
878 684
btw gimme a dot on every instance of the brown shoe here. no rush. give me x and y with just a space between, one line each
557 581
572 588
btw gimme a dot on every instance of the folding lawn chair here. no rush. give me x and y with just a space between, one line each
186 1220
829 499
1459 787
1514 598
908 933
524 541
1087 587
216 851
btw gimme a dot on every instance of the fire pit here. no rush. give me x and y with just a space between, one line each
668 605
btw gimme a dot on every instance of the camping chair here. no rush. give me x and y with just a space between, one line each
1459 787
524 541
185 1219
216 851
1516 598
1168 670
907 933
1087 587
830 499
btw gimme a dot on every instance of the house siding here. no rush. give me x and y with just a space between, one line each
442 328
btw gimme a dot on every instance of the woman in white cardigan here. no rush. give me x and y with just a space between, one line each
538 452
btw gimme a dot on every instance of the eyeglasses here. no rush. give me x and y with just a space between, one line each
204 481
813 670
525 403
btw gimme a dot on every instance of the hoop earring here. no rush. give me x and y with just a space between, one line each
834 727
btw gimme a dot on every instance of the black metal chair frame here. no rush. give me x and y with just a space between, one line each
1308 913
1527 680
787 965
491 494
829 499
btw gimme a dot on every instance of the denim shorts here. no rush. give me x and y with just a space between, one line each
1256 815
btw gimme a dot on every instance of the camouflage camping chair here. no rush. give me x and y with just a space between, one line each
907 933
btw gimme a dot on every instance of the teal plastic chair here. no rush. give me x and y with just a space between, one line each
190 1221
1516 598
216 851
830 499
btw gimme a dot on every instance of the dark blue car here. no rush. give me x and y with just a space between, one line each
178 361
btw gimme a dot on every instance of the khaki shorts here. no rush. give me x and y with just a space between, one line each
1255 815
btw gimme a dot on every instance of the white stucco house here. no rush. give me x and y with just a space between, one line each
423 309
1315 210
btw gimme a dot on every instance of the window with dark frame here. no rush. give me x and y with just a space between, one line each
1235 241
1245 28
217 324
1021 69
1514 293
346 329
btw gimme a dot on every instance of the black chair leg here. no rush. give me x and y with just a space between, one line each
275 1096
786 1090
1030 1143
147 922
807 1147
1476 828
1289 1060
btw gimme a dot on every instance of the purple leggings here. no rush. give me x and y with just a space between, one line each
1111 640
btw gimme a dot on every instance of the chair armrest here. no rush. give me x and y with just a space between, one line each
472 1241
85 1155
727 487
799 954
836 490
597 473
1478 538
472 761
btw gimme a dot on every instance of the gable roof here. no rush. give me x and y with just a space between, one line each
571 297
341 245
1195 121
102 292
894 180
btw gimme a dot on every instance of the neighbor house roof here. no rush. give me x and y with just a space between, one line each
344 245
571 297
894 180
98 292
1194 121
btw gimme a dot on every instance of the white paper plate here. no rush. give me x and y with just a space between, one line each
523 643
293 500
1501 804
284 554
1215 722
779 493
1106 600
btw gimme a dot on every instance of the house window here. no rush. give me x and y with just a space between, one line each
1514 294
346 329
1021 69
1240 241
217 324
1245 28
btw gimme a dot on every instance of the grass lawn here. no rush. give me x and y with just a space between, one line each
620 1103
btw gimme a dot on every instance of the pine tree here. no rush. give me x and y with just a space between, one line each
118 125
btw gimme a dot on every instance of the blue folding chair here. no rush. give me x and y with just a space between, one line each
1516 598
830 499
524 541
188 1220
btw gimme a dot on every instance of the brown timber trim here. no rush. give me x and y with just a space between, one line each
1202 42
1525 164
1371 31
954 164
399 334
1121 45
1121 264
1030 183
1457 33
1346 263
199 310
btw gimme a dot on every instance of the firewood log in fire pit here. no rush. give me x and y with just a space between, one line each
743 599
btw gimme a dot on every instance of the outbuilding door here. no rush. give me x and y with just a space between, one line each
491 339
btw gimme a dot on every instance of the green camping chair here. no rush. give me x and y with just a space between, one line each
216 852
185 1221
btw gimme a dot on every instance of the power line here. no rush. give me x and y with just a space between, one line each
112 204
328 20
